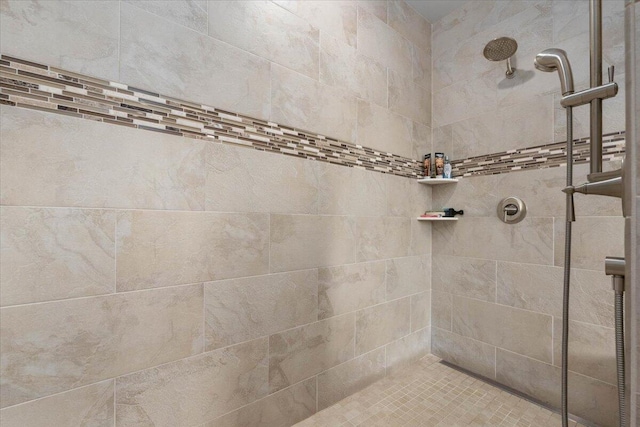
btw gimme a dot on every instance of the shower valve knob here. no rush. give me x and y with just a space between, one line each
611 71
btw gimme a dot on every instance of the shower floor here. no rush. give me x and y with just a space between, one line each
429 393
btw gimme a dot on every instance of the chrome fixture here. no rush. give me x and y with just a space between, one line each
554 59
615 267
606 184
511 210
501 49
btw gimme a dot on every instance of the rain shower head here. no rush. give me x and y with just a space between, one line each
501 49
553 59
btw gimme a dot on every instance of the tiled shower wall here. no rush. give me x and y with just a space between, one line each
153 279
497 288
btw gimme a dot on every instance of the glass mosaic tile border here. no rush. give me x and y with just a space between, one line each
36 86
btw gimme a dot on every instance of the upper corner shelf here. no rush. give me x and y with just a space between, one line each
437 181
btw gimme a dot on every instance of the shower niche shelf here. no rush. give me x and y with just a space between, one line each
437 181
437 219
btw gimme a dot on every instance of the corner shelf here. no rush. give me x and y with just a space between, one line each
437 181
437 219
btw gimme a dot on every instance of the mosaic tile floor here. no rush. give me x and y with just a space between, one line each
431 394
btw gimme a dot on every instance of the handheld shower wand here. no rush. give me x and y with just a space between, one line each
554 59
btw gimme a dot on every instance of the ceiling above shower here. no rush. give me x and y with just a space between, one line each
433 10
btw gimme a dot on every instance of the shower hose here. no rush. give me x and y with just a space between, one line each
619 315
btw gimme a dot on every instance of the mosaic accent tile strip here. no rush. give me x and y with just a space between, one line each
539 157
30 85
36 86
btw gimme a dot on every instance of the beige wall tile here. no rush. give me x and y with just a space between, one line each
297 100
347 288
80 36
157 249
191 14
380 238
539 288
524 332
531 239
285 407
308 241
420 311
195 390
381 324
265 29
593 239
441 309
378 41
343 380
542 381
86 406
420 238
243 180
239 310
421 68
81 163
592 349
375 7
443 143
422 141
50 254
407 276
384 130
464 352
406 197
464 99
408 349
409 99
350 191
470 277
308 350
410 24
342 66
336 18
53 347
170 59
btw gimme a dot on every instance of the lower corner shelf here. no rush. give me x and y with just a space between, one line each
437 219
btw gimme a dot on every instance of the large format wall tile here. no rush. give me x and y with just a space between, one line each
195 390
351 287
592 349
441 309
265 29
408 276
382 238
52 347
343 66
298 100
337 18
167 58
408 349
190 13
308 241
469 277
539 288
406 197
241 180
420 311
283 408
157 249
383 129
80 163
86 406
524 332
409 99
593 239
350 191
411 25
238 310
343 380
308 350
530 240
464 352
377 40
381 324
81 36
542 381
50 254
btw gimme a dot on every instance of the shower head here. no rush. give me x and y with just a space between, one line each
501 49
553 59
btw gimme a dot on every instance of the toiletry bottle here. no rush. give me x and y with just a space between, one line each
439 165
427 165
447 167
